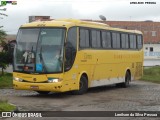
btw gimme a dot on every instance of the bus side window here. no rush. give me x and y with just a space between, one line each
127 41
116 40
124 41
84 38
70 48
139 42
106 39
95 39
133 42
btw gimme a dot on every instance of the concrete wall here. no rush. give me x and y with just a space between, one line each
152 51
151 54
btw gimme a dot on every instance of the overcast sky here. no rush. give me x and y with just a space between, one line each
117 10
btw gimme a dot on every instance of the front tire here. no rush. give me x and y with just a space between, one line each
83 86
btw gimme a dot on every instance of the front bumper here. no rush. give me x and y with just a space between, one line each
52 87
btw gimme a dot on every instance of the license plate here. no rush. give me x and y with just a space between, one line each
34 87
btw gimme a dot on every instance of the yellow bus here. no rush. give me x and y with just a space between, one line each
74 55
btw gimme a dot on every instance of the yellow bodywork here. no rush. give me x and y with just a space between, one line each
96 64
40 82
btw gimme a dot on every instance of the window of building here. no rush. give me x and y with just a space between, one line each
151 49
153 33
84 38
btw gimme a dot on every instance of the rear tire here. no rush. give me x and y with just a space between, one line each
83 86
127 81
43 92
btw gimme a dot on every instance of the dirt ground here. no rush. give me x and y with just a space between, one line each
140 96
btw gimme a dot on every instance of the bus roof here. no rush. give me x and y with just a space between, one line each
76 22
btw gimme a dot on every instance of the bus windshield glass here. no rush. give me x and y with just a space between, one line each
39 50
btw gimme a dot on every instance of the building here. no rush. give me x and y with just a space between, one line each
10 37
150 29
41 18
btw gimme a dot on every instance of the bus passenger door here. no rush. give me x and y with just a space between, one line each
70 71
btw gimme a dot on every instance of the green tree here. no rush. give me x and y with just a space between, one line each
3 52
2 14
2 36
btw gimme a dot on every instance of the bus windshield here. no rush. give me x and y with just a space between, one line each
39 50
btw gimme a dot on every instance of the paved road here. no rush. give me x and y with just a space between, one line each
9 69
140 96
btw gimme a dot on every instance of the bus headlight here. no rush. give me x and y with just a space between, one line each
52 80
18 79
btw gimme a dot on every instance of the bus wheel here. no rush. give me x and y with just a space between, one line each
43 92
127 80
83 86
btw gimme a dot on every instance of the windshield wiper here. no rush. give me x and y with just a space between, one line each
42 60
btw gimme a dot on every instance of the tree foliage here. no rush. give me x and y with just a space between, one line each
2 36
5 58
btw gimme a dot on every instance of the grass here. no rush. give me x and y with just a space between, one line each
6 80
151 74
5 106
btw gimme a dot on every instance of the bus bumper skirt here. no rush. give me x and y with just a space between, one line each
52 87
